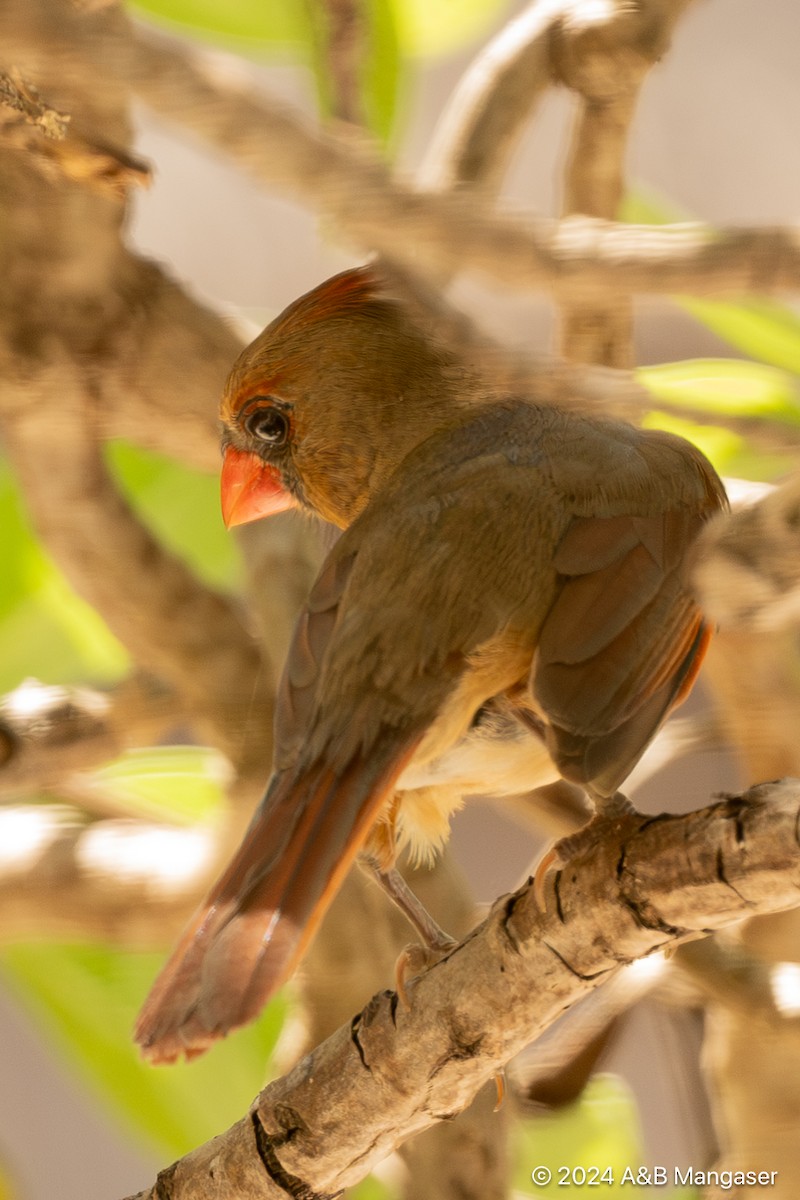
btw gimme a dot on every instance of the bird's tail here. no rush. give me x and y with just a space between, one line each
249 934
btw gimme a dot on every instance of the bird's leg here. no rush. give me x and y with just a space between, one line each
610 811
413 958
413 910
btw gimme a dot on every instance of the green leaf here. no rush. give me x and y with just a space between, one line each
429 28
181 507
425 27
46 630
276 23
180 784
725 387
761 328
371 1189
7 1191
600 1129
643 207
381 71
85 997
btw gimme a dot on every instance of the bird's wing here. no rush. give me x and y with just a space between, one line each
622 643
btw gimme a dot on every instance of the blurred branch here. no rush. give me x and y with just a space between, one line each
603 53
747 563
339 27
172 625
28 123
492 102
724 971
126 882
578 258
48 732
24 100
391 1072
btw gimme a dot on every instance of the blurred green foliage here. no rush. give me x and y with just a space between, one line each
601 1129
86 998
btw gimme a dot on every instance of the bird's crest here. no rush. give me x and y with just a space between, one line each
346 292
261 366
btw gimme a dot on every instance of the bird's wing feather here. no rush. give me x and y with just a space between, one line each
622 642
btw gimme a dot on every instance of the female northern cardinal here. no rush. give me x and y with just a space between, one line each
509 592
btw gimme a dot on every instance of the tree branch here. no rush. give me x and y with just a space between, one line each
747 565
391 1073
604 53
177 628
494 99
574 259
130 883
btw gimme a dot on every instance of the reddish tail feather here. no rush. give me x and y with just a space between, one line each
250 933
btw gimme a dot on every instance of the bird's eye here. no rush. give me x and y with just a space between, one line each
269 425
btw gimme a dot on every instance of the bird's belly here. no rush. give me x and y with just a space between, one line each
497 757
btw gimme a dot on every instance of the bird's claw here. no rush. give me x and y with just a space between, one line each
415 959
612 813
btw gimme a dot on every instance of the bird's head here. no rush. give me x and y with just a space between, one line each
327 401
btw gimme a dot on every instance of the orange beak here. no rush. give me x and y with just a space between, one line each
250 488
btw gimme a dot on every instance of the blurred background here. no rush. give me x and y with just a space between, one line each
714 139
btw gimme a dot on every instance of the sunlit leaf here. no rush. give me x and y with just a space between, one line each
179 784
730 453
762 328
425 27
434 27
280 22
725 387
371 1189
7 1191
86 998
381 71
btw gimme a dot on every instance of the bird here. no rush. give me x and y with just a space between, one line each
507 604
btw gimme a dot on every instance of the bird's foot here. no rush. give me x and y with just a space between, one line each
415 959
613 812
435 942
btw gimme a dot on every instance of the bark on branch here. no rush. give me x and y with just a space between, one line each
391 1073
